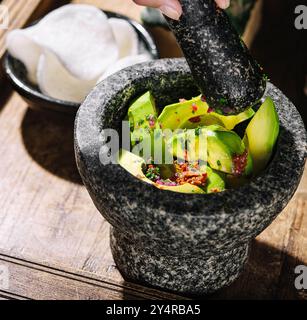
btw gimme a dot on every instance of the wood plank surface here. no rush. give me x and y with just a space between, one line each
56 245
30 280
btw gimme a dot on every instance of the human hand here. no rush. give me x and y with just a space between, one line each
172 8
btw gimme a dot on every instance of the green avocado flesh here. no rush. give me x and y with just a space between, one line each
175 115
189 144
142 117
228 122
215 182
220 149
135 166
145 129
261 135
206 154
226 151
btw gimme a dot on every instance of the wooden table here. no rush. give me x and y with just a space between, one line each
54 242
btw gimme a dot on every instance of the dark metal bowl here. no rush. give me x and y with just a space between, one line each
17 74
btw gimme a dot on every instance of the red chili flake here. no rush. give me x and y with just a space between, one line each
210 110
187 174
194 107
195 119
197 180
240 163
182 166
203 98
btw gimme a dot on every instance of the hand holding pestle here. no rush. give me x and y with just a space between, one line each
227 75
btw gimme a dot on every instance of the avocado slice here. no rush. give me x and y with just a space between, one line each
215 181
142 116
146 135
228 122
135 165
177 145
141 110
261 134
227 152
205 120
175 115
189 145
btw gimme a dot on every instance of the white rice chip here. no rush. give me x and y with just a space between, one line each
79 35
125 36
72 47
55 81
124 63
24 49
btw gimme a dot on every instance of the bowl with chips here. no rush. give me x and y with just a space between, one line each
54 63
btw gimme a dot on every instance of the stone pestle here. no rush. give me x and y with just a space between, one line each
225 72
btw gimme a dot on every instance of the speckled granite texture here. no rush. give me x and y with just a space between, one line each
191 244
195 273
223 68
239 12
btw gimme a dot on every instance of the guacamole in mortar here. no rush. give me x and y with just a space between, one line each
188 148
